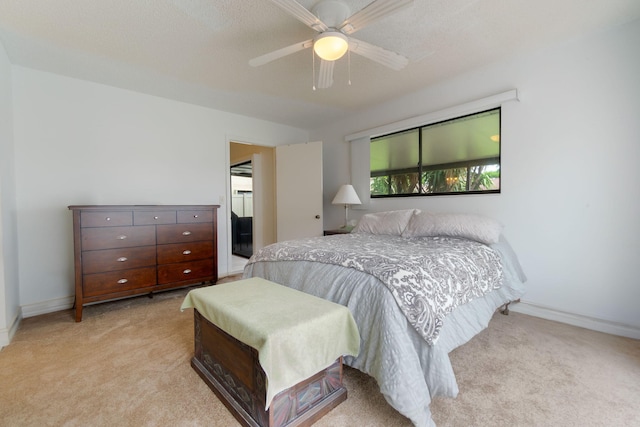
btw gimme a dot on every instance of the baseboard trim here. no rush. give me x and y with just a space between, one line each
4 338
586 322
232 273
44 307
7 334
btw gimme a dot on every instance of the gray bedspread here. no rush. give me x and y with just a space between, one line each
428 277
408 370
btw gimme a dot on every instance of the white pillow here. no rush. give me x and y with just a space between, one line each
390 222
469 226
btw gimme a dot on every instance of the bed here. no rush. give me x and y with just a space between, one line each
418 285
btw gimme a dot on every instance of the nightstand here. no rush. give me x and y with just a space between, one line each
337 231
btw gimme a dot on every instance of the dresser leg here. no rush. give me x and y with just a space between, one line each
78 312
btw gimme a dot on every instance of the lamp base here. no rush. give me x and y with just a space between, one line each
346 217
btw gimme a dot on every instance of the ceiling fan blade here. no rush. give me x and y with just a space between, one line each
371 13
301 14
277 54
325 75
380 55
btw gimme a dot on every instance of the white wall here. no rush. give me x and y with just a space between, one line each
81 143
570 155
9 294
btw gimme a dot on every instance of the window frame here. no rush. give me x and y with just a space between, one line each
420 168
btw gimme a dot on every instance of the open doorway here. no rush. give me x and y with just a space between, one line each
242 209
259 162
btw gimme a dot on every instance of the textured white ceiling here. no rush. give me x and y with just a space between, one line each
198 50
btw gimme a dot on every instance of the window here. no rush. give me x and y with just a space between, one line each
460 155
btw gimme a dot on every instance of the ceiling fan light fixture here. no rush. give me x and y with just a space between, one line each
330 45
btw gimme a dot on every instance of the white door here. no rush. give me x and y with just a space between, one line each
299 190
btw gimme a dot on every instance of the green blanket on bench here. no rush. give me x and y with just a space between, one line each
296 334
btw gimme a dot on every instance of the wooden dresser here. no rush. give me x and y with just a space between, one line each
121 251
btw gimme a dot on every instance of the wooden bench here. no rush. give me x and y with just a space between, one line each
232 368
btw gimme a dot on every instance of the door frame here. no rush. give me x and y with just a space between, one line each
258 230
253 192
257 225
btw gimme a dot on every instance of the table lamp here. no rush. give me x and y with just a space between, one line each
346 196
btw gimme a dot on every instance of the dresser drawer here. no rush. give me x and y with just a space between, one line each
117 237
105 219
118 281
179 252
118 259
190 216
154 217
184 233
194 270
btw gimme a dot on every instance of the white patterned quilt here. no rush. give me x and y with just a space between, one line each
428 277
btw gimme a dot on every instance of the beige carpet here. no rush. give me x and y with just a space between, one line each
127 364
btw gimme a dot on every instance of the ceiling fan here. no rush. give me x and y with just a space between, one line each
334 24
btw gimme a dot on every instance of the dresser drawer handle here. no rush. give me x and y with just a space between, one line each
186 233
195 216
187 271
122 281
122 259
121 237
156 217
187 252
107 219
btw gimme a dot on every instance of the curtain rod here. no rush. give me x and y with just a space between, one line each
436 116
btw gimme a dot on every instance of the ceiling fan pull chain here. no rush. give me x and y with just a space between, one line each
313 66
349 65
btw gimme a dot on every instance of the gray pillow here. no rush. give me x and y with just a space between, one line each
390 222
469 226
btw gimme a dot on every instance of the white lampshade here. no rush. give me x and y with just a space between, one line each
346 196
331 45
